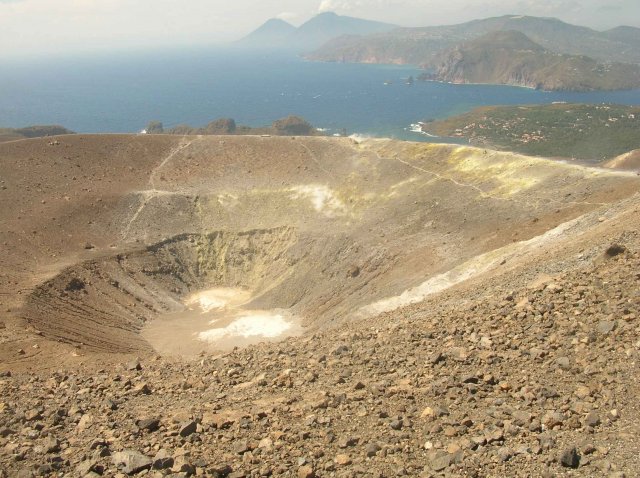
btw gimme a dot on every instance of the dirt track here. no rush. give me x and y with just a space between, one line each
107 233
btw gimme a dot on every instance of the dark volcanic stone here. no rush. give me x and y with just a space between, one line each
163 463
569 458
75 284
615 250
341 350
148 424
396 424
592 419
188 428
371 449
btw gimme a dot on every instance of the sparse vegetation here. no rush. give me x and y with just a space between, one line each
289 126
587 132
293 125
221 126
154 127
37 131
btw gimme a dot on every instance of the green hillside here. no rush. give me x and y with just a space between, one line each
12 134
586 132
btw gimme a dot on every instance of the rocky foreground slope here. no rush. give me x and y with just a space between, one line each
526 368
509 377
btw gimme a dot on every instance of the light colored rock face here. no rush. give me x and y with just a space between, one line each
287 220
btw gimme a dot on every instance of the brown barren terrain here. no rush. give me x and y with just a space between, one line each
463 312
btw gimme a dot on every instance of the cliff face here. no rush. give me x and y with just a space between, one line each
459 66
510 58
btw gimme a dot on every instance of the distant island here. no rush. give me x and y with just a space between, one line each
38 131
512 58
289 126
421 46
278 34
543 53
587 132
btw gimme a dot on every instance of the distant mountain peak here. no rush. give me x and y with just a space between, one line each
271 34
277 21
276 33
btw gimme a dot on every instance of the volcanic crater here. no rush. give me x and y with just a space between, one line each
133 244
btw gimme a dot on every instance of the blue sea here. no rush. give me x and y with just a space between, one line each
122 93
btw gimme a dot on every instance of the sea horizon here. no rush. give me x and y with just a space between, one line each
121 93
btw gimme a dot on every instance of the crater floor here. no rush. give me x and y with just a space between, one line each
215 320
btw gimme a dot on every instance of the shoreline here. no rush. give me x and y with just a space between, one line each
570 91
509 85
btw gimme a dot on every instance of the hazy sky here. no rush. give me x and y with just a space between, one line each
63 26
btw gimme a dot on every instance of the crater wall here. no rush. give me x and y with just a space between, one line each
106 233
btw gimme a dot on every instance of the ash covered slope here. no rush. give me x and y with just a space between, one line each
630 160
525 370
328 229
